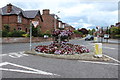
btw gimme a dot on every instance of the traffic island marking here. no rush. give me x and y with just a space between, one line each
83 56
29 70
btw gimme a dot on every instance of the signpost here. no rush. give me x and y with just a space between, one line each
35 23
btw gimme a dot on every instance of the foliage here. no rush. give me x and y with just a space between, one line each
7 27
4 33
77 32
16 34
83 30
47 33
91 31
36 31
12 34
117 36
115 30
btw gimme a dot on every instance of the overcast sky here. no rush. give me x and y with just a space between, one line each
78 13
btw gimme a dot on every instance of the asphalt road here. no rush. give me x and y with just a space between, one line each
15 64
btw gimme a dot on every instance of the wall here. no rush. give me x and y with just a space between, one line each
24 40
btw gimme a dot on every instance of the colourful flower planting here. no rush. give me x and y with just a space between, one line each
62 48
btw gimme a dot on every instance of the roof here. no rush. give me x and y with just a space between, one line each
17 11
30 14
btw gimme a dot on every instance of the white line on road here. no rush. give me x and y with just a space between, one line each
112 58
3 54
4 63
109 47
34 71
99 62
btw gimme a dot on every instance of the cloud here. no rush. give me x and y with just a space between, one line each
78 13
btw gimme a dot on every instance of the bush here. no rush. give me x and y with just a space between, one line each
16 34
4 33
117 36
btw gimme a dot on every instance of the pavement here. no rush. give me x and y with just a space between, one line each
15 64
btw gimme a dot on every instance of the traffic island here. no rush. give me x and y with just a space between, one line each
85 56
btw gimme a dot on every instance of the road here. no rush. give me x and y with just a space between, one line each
15 64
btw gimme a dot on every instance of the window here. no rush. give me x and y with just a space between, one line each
19 28
19 19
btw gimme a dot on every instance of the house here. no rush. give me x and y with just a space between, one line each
50 21
17 19
68 27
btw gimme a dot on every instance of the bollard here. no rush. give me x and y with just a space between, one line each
98 49
95 39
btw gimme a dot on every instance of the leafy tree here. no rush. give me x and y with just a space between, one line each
77 32
83 30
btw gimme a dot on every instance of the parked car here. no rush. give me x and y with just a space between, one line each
89 37
106 36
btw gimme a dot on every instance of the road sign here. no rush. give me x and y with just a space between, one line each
35 23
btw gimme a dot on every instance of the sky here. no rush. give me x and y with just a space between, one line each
78 13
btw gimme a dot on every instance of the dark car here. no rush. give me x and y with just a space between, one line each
89 37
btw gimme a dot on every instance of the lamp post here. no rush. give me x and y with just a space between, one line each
55 20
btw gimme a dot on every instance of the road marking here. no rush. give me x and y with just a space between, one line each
15 54
109 48
3 54
33 71
112 58
2 64
99 62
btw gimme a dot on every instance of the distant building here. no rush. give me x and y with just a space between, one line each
69 27
17 19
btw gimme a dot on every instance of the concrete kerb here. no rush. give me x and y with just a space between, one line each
84 56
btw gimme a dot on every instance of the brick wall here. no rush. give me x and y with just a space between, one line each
23 40
48 23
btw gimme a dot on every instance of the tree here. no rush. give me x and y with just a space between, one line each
83 30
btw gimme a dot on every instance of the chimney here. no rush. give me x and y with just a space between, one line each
46 11
9 8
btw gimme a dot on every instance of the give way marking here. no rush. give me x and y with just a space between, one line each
33 71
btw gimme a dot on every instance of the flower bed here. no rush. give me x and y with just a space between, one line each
61 48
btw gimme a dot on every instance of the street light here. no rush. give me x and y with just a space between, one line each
55 20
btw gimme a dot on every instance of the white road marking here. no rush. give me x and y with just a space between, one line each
15 54
4 63
99 62
109 48
34 71
112 58
3 54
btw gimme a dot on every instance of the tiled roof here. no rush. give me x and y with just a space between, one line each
30 14
17 11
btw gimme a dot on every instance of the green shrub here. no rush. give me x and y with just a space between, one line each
4 33
117 36
16 34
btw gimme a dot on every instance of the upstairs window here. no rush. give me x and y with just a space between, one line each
19 19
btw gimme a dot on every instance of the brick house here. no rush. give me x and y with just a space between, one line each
69 27
17 19
49 21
